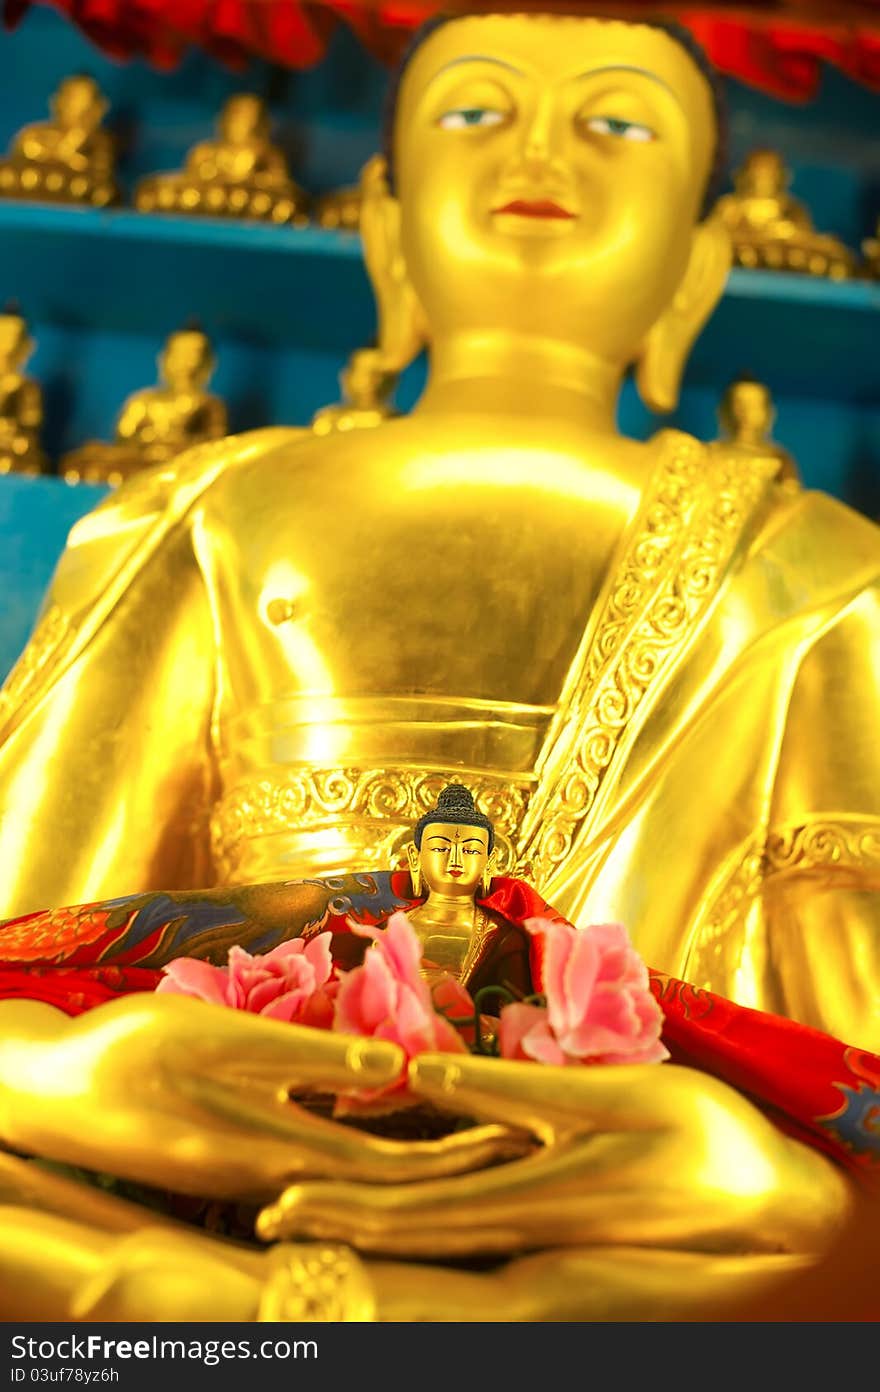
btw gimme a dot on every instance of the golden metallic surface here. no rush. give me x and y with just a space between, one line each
158 422
65 1269
312 1283
240 174
723 1178
497 588
656 660
666 1160
770 228
21 400
69 159
340 210
367 390
746 414
215 1118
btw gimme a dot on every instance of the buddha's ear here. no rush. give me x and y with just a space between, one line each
413 860
666 349
401 327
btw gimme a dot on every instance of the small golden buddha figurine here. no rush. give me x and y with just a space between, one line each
871 249
241 174
771 229
367 388
69 159
340 210
158 422
746 415
21 400
452 856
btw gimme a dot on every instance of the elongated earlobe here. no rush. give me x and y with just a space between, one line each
489 873
415 869
401 332
662 362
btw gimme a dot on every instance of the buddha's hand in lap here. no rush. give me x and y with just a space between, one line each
195 1098
649 1155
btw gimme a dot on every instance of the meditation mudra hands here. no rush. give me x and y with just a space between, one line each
175 1093
630 1156
187 1097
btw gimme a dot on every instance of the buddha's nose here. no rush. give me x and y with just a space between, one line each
540 139
454 861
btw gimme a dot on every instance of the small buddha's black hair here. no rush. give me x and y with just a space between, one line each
676 31
455 804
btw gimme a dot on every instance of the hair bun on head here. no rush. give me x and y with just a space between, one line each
455 804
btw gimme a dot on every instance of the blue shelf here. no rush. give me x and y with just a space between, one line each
140 273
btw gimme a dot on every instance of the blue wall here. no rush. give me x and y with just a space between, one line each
286 306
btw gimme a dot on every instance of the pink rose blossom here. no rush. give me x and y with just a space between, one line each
387 998
295 982
599 1003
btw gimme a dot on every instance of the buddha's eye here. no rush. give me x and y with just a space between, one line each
614 125
469 117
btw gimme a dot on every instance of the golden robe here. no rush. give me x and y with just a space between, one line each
709 776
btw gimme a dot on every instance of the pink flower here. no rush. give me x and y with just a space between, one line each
294 982
599 1003
387 998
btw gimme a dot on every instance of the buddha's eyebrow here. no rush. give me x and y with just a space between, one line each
478 58
628 68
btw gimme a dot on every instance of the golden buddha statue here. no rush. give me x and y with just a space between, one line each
367 389
746 415
651 664
340 210
69 159
21 400
241 174
871 249
773 230
158 422
452 856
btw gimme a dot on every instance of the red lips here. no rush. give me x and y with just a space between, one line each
535 207
457 874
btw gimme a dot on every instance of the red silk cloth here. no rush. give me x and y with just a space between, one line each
779 48
814 1087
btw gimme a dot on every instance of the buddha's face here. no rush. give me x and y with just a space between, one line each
749 407
187 359
243 119
550 172
78 103
15 346
763 175
453 858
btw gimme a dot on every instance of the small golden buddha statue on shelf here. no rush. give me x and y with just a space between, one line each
157 423
241 174
367 388
21 400
871 250
746 415
69 159
772 230
340 210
